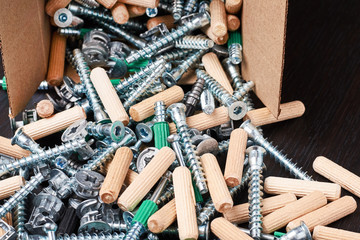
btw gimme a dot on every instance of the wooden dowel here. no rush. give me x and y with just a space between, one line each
9 186
217 40
141 3
107 3
56 66
55 123
185 204
328 233
263 116
213 67
219 192
163 218
142 184
135 11
202 121
240 213
235 157
225 230
12 150
327 214
145 108
44 108
120 13
130 177
8 220
233 22
218 18
233 6
279 185
189 78
53 5
291 211
71 72
108 96
168 20
114 179
337 174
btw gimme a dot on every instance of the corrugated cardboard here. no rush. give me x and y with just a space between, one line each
264 31
25 37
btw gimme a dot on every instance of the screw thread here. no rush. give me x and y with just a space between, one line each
88 3
136 230
93 236
193 98
194 42
92 13
98 129
255 201
178 8
175 54
189 7
20 217
165 7
21 194
235 54
223 146
190 61
166 196
160 113
243 90
69 32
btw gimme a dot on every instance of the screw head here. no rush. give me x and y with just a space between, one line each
173 138
63 18
237 110
117 131
144 132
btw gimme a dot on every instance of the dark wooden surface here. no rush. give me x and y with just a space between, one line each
322 69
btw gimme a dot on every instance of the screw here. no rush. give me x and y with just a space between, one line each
194 42
193 97
255 190
282 159
178 7
115 130
237 109
234 72
144 134
190 7
177 112
171 78
241 92
300 233
50 229
174 140
172 232
91 94
45 155
152 12
207 102
25 141
263 236
198 21
175 54
88 236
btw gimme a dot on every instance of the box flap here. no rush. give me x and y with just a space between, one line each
264 33
25 38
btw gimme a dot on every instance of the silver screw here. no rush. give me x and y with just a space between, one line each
93 236
190 7
175 54
198 21
177 112
235 53
241 92
194 42
91 94
178 8
301 232
281 158
234 72
115 130
256 154
23 140
207 102
237 109
152 12
171 78
88 3
172 232
193 97
50 230
264 236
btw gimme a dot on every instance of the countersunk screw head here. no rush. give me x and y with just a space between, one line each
117 131
173 138
177 113
144 132
256 154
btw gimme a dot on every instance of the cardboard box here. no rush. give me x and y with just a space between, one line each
25 36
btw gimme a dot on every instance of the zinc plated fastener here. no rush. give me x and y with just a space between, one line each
178 8
193 97
207 102
194 42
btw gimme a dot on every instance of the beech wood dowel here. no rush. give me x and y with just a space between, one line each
225 230
327 214
56 66
108 96
263 116
107 3
235 157
337 174
217 40
71 72
141 3
135 11
218 22
219 192
291 211
120 13
163 218
12 150
114 179
10 185
145 108
53 5
202 121
279 185
8 220
328 233
189 78
233 22
233 6
185 204
213 67
44 108
55 123
240 213
142 184
168 20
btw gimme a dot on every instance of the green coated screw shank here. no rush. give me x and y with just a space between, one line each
146 209
161 132
278 234
234 37
198 196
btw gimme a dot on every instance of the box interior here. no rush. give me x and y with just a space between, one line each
25 37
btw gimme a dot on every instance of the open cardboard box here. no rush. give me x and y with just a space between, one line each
25 36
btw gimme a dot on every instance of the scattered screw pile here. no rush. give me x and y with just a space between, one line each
138 144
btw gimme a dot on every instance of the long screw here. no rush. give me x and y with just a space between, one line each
178 8
194 42
282 159
85 236
177 112
193 98
189 7
175 54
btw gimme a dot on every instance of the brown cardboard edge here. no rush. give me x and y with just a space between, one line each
25 49
259 17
